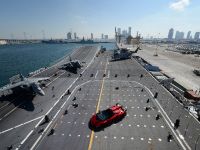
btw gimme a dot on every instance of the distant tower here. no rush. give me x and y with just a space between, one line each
119 31
170 34
69 35
75 37
25 37
196 36
92 36
188 34
129 30
182 35
124 33
102 36
179 35
106 37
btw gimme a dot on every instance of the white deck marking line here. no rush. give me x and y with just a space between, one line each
17 126
21 103
55 79
97 108
56 102
108 74
96 74
7 104
54 74
52 121
106 64
25 138
164 114
171 94
167 120
10 112
47 113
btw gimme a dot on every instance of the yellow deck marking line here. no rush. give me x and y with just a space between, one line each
97 109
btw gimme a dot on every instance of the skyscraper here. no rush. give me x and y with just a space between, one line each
102 36
124 33
179 35
188 34
75 37
69 35
196 36
129 30
170 34
119 30
92 36
106 37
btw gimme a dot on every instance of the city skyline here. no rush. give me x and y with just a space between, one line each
179 35
54 19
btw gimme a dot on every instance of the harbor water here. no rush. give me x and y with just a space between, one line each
26 58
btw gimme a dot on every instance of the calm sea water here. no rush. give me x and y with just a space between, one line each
26 58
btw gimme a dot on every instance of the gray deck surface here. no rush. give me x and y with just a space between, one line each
138 130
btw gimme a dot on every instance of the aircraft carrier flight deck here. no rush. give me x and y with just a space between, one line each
59 119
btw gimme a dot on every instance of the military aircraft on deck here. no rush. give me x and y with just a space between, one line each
72 66
20 83
123 53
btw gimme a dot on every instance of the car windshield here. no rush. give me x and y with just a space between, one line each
103 115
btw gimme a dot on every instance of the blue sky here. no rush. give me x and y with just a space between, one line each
57 17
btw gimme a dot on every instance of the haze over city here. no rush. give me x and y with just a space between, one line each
56 18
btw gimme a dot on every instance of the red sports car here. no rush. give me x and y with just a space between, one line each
107 117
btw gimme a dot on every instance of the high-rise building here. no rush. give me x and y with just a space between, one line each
69 35
170 34
102 36
196 36
119 30
124 33
106 37
75 37
188 34
129 30
179 35
92 36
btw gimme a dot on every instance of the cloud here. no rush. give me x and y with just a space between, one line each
179 5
